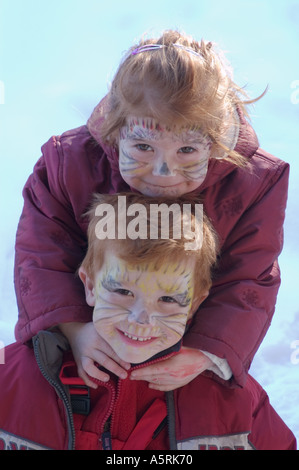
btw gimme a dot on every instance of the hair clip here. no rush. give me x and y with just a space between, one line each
153 47
147 47
188 49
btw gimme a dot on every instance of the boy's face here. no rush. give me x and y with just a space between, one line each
159 162
138 311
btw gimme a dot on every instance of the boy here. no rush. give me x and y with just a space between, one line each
143 293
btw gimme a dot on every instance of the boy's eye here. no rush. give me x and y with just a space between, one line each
168 299
144 147
187 150
124 292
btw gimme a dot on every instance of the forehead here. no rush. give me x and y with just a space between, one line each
172 274
150 128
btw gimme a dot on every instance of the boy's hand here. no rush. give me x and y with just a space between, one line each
89 348
174 372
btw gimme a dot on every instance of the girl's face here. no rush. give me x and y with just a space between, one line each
159 162
140 311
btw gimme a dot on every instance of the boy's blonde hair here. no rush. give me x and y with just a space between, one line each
158 251
179 89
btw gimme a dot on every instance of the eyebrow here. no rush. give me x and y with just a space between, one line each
110 284
142 134
194 139
182 299
191 140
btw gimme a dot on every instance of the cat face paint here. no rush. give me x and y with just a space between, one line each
141 312
159 162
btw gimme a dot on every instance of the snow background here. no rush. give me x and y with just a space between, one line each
56 60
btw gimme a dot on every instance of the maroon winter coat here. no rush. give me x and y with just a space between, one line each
40 405
246 206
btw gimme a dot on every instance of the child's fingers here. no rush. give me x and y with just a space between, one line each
109 364
108 352
89 369
150 372
155 379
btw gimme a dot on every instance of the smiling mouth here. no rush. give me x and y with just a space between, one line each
138 339
163 186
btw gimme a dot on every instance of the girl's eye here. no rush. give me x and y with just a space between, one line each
144 147
187 150
124 292
167 299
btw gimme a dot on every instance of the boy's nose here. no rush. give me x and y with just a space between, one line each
140 316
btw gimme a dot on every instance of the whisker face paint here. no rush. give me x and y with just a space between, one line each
139 310
158 161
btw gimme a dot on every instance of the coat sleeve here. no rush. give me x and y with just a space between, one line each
49 247
234 319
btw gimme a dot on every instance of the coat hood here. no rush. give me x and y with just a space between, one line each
244 142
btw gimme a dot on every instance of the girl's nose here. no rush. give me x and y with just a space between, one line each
162 169
163 165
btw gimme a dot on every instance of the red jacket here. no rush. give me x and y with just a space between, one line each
246 206
36 411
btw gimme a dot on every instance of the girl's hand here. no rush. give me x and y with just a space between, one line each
90 349
174 372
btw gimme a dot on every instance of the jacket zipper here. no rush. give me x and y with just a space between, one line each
171 420
118 390
105 435
62 395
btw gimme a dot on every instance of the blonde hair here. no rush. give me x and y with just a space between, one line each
159 252
179 89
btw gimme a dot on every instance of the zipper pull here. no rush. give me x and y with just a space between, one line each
106 440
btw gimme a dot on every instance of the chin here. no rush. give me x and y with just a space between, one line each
136 357
155 191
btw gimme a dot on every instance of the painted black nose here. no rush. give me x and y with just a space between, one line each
164 170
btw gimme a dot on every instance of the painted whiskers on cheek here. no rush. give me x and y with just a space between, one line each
194 171
106 311
197 169
176 323
141 310
129 165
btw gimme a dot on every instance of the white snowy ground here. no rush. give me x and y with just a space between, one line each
56 60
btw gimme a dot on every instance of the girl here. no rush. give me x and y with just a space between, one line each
173 123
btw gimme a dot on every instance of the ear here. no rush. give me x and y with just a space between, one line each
89 287
196 303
